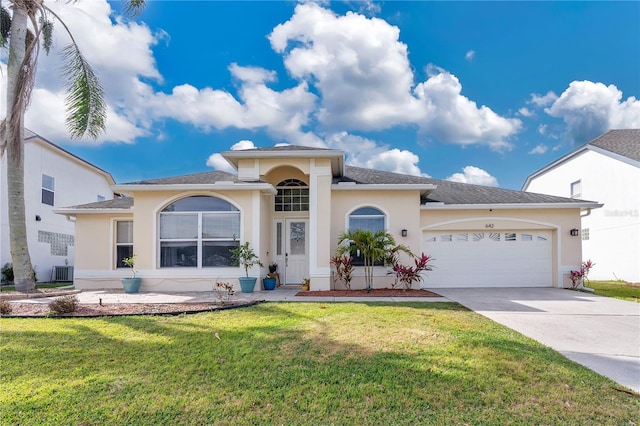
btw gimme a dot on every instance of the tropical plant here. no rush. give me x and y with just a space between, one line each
224 292
243 255
408 275
273 267
372 246
344 269
580 276
131 263
23 32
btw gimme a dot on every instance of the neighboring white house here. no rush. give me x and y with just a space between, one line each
607 170
53 178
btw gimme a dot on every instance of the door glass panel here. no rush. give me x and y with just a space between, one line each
279 239
297 238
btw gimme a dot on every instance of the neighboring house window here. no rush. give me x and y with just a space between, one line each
368 219
585 234
48 186
198 232
576 189
101 197
124 241
292 196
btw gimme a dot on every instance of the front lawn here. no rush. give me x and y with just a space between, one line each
617 289
296 363
39 285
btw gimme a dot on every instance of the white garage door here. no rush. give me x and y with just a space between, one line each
488 259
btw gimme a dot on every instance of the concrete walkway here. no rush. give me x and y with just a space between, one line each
600 333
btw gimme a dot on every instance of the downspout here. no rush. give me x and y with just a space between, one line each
587 214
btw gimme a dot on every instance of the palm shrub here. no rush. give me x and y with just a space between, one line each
373 246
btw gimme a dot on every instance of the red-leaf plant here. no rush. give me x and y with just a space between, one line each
580 275
407 275
344 269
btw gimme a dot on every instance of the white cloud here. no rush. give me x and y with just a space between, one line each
471 54
543 100
539 149
455 118
243 144
525 112
589 109
362 72
218 162
474 175
363 152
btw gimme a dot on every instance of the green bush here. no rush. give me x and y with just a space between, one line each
64 305
7 272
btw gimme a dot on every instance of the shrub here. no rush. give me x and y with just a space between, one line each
64 305
344 269
224 292
407 275
5 307
7 272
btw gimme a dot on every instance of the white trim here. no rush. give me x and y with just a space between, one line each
513 206
256 200
72 211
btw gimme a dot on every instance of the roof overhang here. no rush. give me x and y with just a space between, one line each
218 186
70 211
336 156
424 189
512 206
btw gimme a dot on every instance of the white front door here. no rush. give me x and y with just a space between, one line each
296 262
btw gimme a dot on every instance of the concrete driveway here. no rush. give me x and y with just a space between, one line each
600 333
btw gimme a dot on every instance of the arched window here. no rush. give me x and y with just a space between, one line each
292 196
197 232
368 219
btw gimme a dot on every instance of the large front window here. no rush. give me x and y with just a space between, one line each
366 219
124 242
198 232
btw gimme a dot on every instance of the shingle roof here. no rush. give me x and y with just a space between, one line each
193 179
625 142
116 203
448 192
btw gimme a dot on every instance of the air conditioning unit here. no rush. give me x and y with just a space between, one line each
62 273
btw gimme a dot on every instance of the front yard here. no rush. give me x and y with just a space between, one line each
296 363
617 289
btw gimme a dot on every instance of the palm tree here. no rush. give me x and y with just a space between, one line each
23 32
373 247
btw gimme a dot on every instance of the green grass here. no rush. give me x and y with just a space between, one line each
617 289
43 285
296 363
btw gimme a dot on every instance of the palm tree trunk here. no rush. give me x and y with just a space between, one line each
22 268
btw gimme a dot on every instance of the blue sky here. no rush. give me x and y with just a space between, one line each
482 92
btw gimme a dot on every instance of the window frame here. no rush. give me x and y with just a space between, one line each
46 190
575 189
292 194
358 260
202 243
118 244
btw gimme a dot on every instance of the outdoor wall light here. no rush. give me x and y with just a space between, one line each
574 232
38 218
403 232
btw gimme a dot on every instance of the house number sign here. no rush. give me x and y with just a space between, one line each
489 225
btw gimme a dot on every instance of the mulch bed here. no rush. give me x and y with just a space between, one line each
376 292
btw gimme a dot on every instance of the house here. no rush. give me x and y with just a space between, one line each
292 202
606 169
53 178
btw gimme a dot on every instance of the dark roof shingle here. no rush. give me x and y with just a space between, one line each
624 142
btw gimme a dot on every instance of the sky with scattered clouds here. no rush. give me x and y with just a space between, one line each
477 92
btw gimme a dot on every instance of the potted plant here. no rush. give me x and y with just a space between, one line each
269 282
131 284
243 255
306 283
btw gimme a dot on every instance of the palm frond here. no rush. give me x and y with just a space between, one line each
46 28
134 8
5 26
86 109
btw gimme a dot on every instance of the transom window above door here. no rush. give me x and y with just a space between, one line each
198 232
292 196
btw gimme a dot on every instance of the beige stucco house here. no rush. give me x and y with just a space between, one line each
292 202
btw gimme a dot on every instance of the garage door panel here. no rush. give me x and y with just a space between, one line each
495 259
